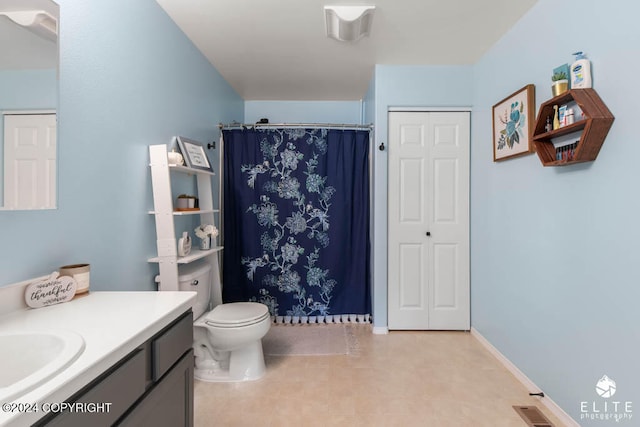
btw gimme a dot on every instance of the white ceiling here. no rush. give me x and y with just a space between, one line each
278 50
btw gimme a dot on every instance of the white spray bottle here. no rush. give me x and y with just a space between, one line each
580 72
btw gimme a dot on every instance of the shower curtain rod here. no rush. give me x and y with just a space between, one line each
294 125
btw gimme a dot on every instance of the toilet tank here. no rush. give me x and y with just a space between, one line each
196 277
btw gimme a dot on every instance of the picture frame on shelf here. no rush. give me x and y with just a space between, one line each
195 156
513 123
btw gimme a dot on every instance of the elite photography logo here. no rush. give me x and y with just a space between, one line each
606 387
605 408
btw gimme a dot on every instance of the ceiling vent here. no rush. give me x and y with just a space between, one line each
348 23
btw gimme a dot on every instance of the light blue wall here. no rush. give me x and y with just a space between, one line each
369 114
405 86
128 78
28 90
303 111
369 102
555 281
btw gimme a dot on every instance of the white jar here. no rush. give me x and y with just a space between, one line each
175 158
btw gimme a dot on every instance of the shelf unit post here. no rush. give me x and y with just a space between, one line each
205 197
163 210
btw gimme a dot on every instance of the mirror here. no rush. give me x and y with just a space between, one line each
28 103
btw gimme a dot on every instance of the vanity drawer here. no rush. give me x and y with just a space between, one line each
170 344
120 387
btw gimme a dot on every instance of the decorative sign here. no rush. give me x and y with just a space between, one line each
52 290
194 154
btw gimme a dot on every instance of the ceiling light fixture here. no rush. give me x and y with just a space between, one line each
39 22
348 23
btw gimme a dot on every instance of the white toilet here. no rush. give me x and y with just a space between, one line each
227 341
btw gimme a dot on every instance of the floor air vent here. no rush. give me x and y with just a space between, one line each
532 416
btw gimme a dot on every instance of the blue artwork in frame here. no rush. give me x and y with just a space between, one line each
513 119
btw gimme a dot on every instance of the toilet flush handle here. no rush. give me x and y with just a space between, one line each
194 283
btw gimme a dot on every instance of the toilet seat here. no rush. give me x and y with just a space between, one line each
237 314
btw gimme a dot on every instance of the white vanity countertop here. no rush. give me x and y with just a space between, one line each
112 325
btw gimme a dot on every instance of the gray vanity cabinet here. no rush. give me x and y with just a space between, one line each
151 386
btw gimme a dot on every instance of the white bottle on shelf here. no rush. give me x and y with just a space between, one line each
570 116
580 72
184 244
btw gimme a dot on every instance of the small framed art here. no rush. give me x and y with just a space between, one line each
513 123
194 155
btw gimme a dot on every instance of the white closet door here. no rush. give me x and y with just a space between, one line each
428 283
29 161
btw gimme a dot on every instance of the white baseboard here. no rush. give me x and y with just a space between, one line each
380 330
530 385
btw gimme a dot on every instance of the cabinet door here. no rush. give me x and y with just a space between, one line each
119 388
170 403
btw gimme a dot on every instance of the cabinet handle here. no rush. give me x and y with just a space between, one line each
428 234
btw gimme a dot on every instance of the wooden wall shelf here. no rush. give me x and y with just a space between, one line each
593 128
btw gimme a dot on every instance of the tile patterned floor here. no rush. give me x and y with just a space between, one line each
401 379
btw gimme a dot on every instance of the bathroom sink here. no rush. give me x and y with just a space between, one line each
30 358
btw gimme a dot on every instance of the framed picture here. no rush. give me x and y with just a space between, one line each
194 155
513 123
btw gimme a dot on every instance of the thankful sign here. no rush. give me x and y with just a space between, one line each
52 290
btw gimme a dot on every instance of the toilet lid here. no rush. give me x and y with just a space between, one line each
237 314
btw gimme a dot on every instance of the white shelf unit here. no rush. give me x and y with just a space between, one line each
198 212
164 213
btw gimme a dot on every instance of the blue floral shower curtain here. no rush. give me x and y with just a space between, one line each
296 220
